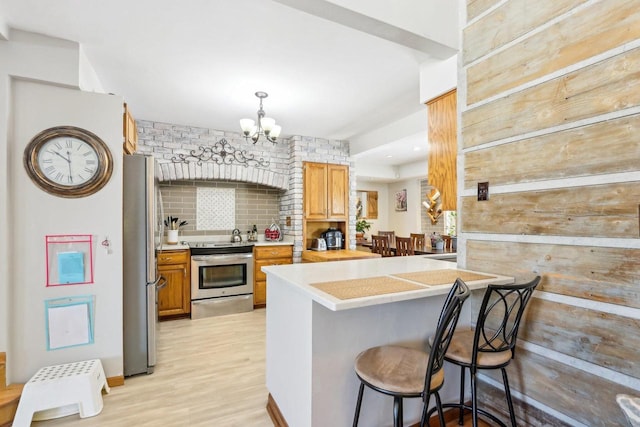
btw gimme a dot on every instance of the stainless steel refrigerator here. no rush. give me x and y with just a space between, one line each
142 228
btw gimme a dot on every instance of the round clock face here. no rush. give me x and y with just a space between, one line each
68 162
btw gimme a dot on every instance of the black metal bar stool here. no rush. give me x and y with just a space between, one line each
491 344
404 372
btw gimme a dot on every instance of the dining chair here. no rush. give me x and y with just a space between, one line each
491 344
418 240
404 246
404 372
391 234
380 245
447 242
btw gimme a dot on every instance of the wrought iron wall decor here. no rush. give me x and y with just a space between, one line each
221 153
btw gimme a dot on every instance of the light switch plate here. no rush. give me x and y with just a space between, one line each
483 191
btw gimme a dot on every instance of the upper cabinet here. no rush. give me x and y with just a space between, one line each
326 191
130 131
443 148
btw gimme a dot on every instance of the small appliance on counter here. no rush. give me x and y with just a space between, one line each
319 244
333 238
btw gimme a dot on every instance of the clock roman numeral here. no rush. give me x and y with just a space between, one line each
88 153
91 162
47 161
59 176
50 169
70 179
89 170
69 143
58 146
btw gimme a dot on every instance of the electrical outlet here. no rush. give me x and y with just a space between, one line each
483 191
288 221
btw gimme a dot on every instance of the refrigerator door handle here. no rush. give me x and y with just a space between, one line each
160 283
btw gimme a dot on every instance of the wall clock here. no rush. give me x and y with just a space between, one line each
68 161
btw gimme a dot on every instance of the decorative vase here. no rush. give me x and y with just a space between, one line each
172 237
439 245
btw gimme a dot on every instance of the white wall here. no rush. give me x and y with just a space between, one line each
404 223
28 213
37 107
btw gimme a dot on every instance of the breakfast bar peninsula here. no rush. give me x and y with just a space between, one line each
321 315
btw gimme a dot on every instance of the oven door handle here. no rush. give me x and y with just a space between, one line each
223 257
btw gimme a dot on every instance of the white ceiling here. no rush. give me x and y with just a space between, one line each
199 62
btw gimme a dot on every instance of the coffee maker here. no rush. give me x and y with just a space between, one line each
333 237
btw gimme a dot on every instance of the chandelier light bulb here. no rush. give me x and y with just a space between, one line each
267 124
275 132
247 126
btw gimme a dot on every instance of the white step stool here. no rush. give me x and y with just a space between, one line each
61 390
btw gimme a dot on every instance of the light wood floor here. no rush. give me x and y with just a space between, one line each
210 372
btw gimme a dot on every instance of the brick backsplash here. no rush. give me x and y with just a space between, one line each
255 204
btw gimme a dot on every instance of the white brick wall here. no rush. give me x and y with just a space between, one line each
165 140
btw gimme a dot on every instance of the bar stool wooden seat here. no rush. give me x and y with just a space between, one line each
404 246
407 372
380 245
491 344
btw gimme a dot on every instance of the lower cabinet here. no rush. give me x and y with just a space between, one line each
262 256
174 299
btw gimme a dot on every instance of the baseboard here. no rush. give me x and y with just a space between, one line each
274 412
115 381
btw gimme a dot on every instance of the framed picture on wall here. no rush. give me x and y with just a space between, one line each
401 200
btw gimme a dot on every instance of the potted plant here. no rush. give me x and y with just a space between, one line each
361 227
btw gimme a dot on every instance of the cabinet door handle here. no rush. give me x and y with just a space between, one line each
167 258
184 271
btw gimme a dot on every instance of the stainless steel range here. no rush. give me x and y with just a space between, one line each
221 278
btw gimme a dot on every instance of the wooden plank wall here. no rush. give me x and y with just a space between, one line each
549 105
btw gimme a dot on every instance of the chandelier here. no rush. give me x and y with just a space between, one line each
266 126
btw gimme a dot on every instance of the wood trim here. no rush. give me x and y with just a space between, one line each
274 413
443 146
115 381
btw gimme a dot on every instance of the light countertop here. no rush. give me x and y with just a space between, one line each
303 275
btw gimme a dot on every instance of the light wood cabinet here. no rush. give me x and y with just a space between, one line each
174 299
326 191
326 200
443 146
130 131
263 256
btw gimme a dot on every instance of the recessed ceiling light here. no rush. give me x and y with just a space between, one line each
417 148
389 156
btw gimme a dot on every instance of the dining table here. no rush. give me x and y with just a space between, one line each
426 249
